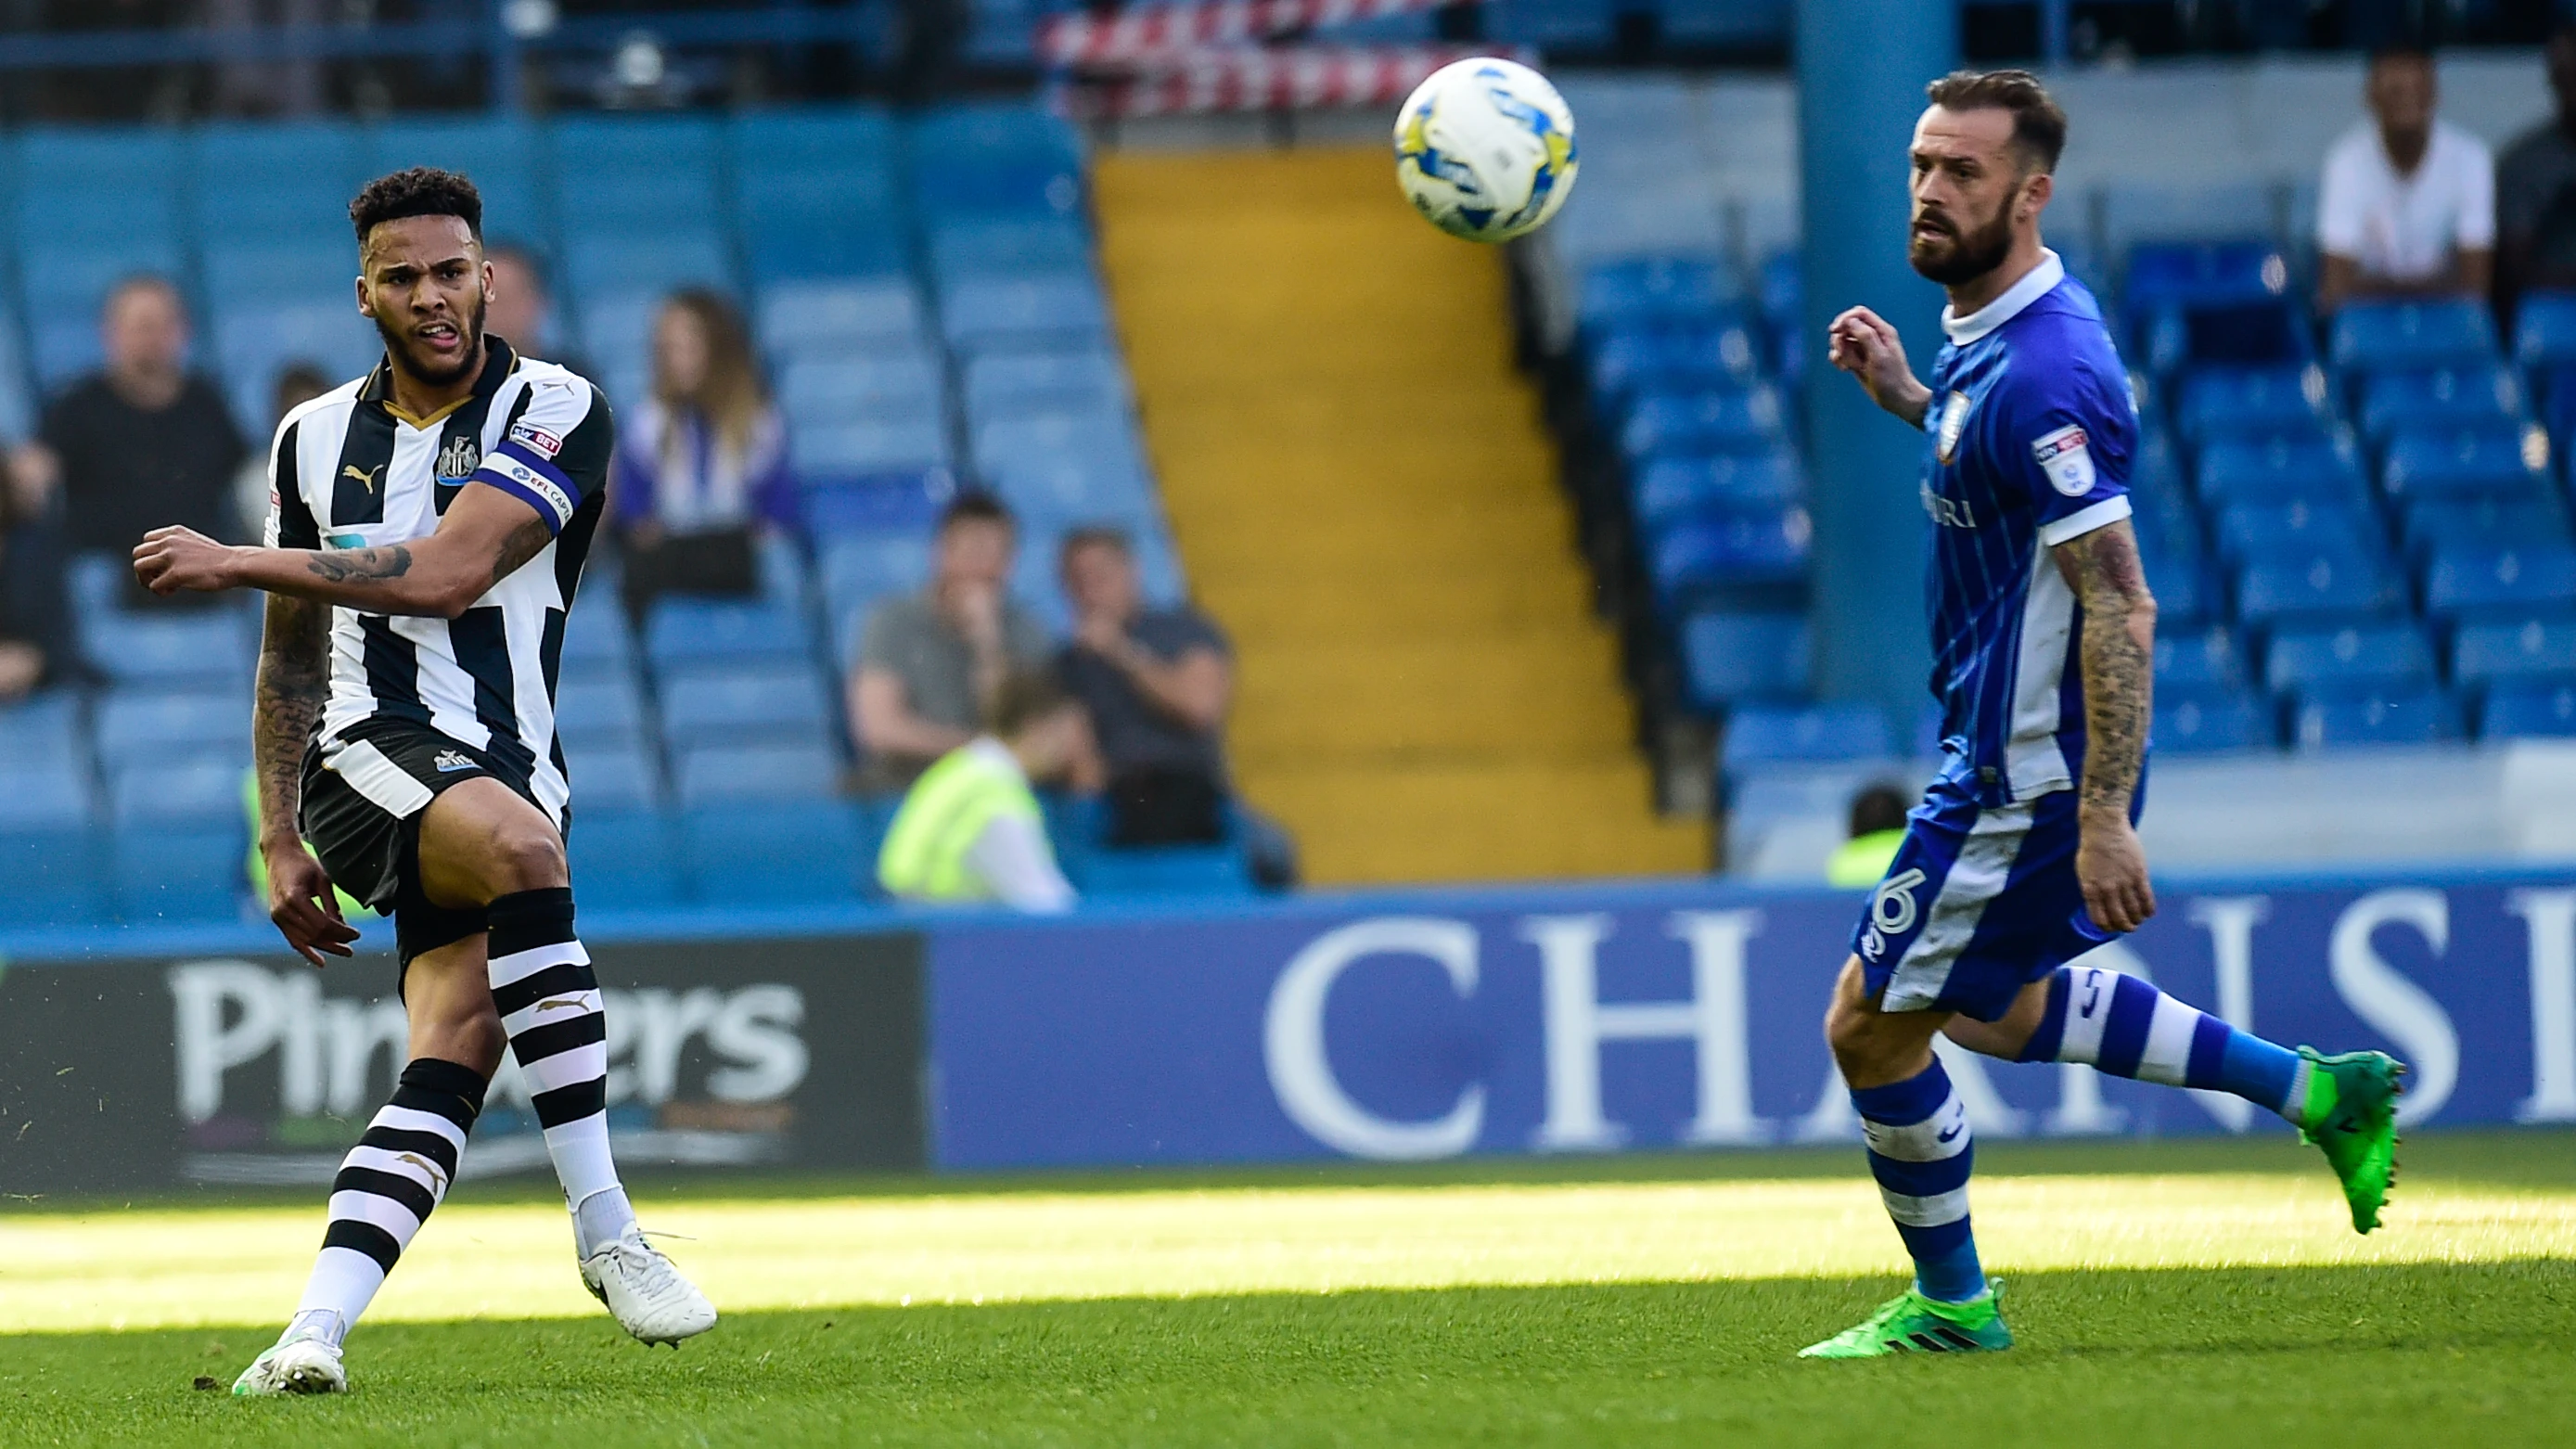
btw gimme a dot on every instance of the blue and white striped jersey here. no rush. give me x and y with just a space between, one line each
2028 442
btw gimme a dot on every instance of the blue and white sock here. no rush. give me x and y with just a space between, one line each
1920 1151
2126 1027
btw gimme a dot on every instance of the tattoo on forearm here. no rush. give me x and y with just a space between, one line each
361 566
524 543
294 682
2117 651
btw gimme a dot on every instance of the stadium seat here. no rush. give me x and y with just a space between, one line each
1075 488
1657 290
1082 380
612 266
597 640
2535 709
1008 245
2376 717
146 725
860 568
2494 459
833 389
1731 657
868 447
1761 734
1171 870
679 628
1753 548
1708 355
51 876
2320 588
1737 420
1555 26
2471 582
2201 664
2354 659
211 646
2280 470
2386 336
2544 329
726 774
199 792
2258 402
904 499
2178 336
2533 650
729 703
161 876
41 794
2440 399
807 847
622 859
2432 523
616 172
2211 725
2184 594
611 774
601 707
782 253
270 178
1064 309
1025 442
2298 529
1669 489
41 728
837 315
500 154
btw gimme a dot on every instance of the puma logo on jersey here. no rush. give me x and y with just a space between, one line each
365 476
424 1164
559 1003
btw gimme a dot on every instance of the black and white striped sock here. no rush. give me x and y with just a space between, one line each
550 1006
386 1188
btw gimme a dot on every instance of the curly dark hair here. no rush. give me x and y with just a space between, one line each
420 191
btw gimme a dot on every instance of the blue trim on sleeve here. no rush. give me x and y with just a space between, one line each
538 462
525 494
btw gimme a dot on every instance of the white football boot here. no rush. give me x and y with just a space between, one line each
646 1292
307 1365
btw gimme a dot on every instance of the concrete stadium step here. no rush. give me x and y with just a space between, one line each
1364 495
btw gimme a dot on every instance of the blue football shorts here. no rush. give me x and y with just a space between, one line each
1979 902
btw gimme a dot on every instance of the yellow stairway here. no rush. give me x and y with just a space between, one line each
1365 497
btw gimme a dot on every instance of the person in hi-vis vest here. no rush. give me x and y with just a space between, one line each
970 829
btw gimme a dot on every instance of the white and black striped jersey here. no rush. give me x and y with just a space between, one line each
350 470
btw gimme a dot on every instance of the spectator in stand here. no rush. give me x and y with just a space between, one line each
2536 192
970 829
702 467
522 311
2407 204
35 635
1158 684
928 663
144 443
1877 828
297 383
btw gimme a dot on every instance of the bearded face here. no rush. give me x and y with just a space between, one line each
1953 250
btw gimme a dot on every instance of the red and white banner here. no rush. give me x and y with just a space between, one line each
1270 80
1169 31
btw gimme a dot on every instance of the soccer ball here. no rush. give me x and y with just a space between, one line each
1485 149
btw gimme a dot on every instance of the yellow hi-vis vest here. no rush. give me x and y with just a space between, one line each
924 858
1863 860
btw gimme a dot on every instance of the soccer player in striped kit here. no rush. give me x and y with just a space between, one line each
2024 854
427 528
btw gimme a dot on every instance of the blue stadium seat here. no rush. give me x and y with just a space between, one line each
2384 336
2537 649
2264 402
2280 470
1656 290
165 726
783 253
52 876
794 848
597 640
1708 355
2212 725
1761 734
2179 336
1002 130
868 447
2497 459
1552 25
1739 420
2322 587
1182 870
601 707
1668 489
861 569
41 728
1009 245
2471 582
2544 329
2274 530
2440 399
895 501
2377 717
616 172
1105 436
2432 523
1075 488
1089 379
43 793
833 389
273 178
199 792
2353 659
211 646
2201 664
2527 710
1714 554
984 312
622 859
2184 594
166 876
1731 657
715 703
730 774
617 266
611 774
680 628
500 154
838 315
858 195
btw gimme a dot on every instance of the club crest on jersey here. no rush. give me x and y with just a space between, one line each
449 762
1954 421
458 459
2065 458
535 437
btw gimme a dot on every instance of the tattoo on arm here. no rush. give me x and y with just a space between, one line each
293 684
2118 655
361 566
524 543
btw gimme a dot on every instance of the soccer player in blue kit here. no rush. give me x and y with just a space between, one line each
2024 854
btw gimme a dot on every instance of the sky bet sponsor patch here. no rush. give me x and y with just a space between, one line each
2063 457
537 438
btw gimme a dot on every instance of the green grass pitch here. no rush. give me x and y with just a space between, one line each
2186 1294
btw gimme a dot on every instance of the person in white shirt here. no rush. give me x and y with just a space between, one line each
2407 204
971 829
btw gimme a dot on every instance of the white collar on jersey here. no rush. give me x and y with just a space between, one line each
2035 284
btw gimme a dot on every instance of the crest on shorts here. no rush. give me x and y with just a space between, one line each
1954 421
458 459
2067 459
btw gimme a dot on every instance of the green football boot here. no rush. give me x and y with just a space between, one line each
1912 1323
2351 1116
